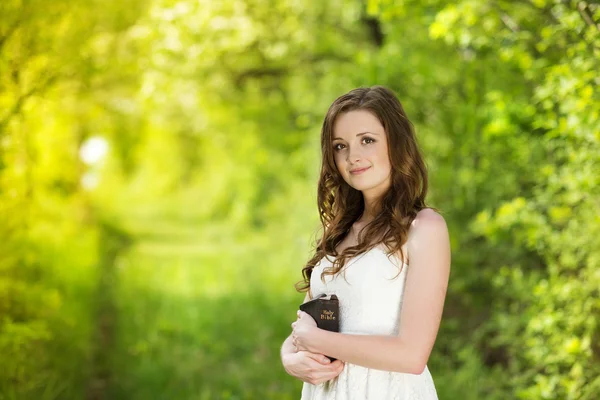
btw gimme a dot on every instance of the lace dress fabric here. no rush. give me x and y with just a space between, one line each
370 290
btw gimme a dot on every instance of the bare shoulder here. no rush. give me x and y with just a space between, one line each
428 219
428 232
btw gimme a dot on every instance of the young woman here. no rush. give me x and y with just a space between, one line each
383 253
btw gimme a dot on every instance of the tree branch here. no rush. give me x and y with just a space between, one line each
4 38
18 105
586 14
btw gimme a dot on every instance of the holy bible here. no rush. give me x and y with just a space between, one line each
325 310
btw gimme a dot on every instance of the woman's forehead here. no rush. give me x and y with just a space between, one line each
353 123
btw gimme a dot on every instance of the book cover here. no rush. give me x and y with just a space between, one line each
325 310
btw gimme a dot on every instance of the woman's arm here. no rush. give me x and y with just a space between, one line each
425 291
287 347
308 367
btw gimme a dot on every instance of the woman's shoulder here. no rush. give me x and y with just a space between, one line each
428 217
427 221
427 226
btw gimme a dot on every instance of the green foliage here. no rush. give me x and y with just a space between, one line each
535 205
165 269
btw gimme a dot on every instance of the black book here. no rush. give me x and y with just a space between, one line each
325 310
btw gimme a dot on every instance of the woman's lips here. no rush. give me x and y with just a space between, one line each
359 171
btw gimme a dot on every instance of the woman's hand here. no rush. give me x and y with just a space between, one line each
310 367
304 330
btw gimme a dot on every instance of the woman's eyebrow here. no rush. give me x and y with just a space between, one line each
359 134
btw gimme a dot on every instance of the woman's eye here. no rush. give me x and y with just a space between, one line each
371 140
339 146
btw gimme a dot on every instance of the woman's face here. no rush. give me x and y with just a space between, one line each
360 143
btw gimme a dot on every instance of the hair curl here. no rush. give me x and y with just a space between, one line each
340 205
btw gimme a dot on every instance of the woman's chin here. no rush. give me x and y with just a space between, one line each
358 187
362 187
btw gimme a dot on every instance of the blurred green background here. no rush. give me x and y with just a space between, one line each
158 170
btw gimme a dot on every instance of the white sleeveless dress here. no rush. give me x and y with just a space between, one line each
370 302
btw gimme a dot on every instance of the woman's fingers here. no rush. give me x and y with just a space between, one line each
312 367
326 375
322 371
320 358
306 318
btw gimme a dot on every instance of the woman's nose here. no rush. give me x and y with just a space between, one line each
353 156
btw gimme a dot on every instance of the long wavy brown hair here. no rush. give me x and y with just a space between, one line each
340 205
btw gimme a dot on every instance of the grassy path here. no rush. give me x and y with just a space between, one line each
113 242
199 321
